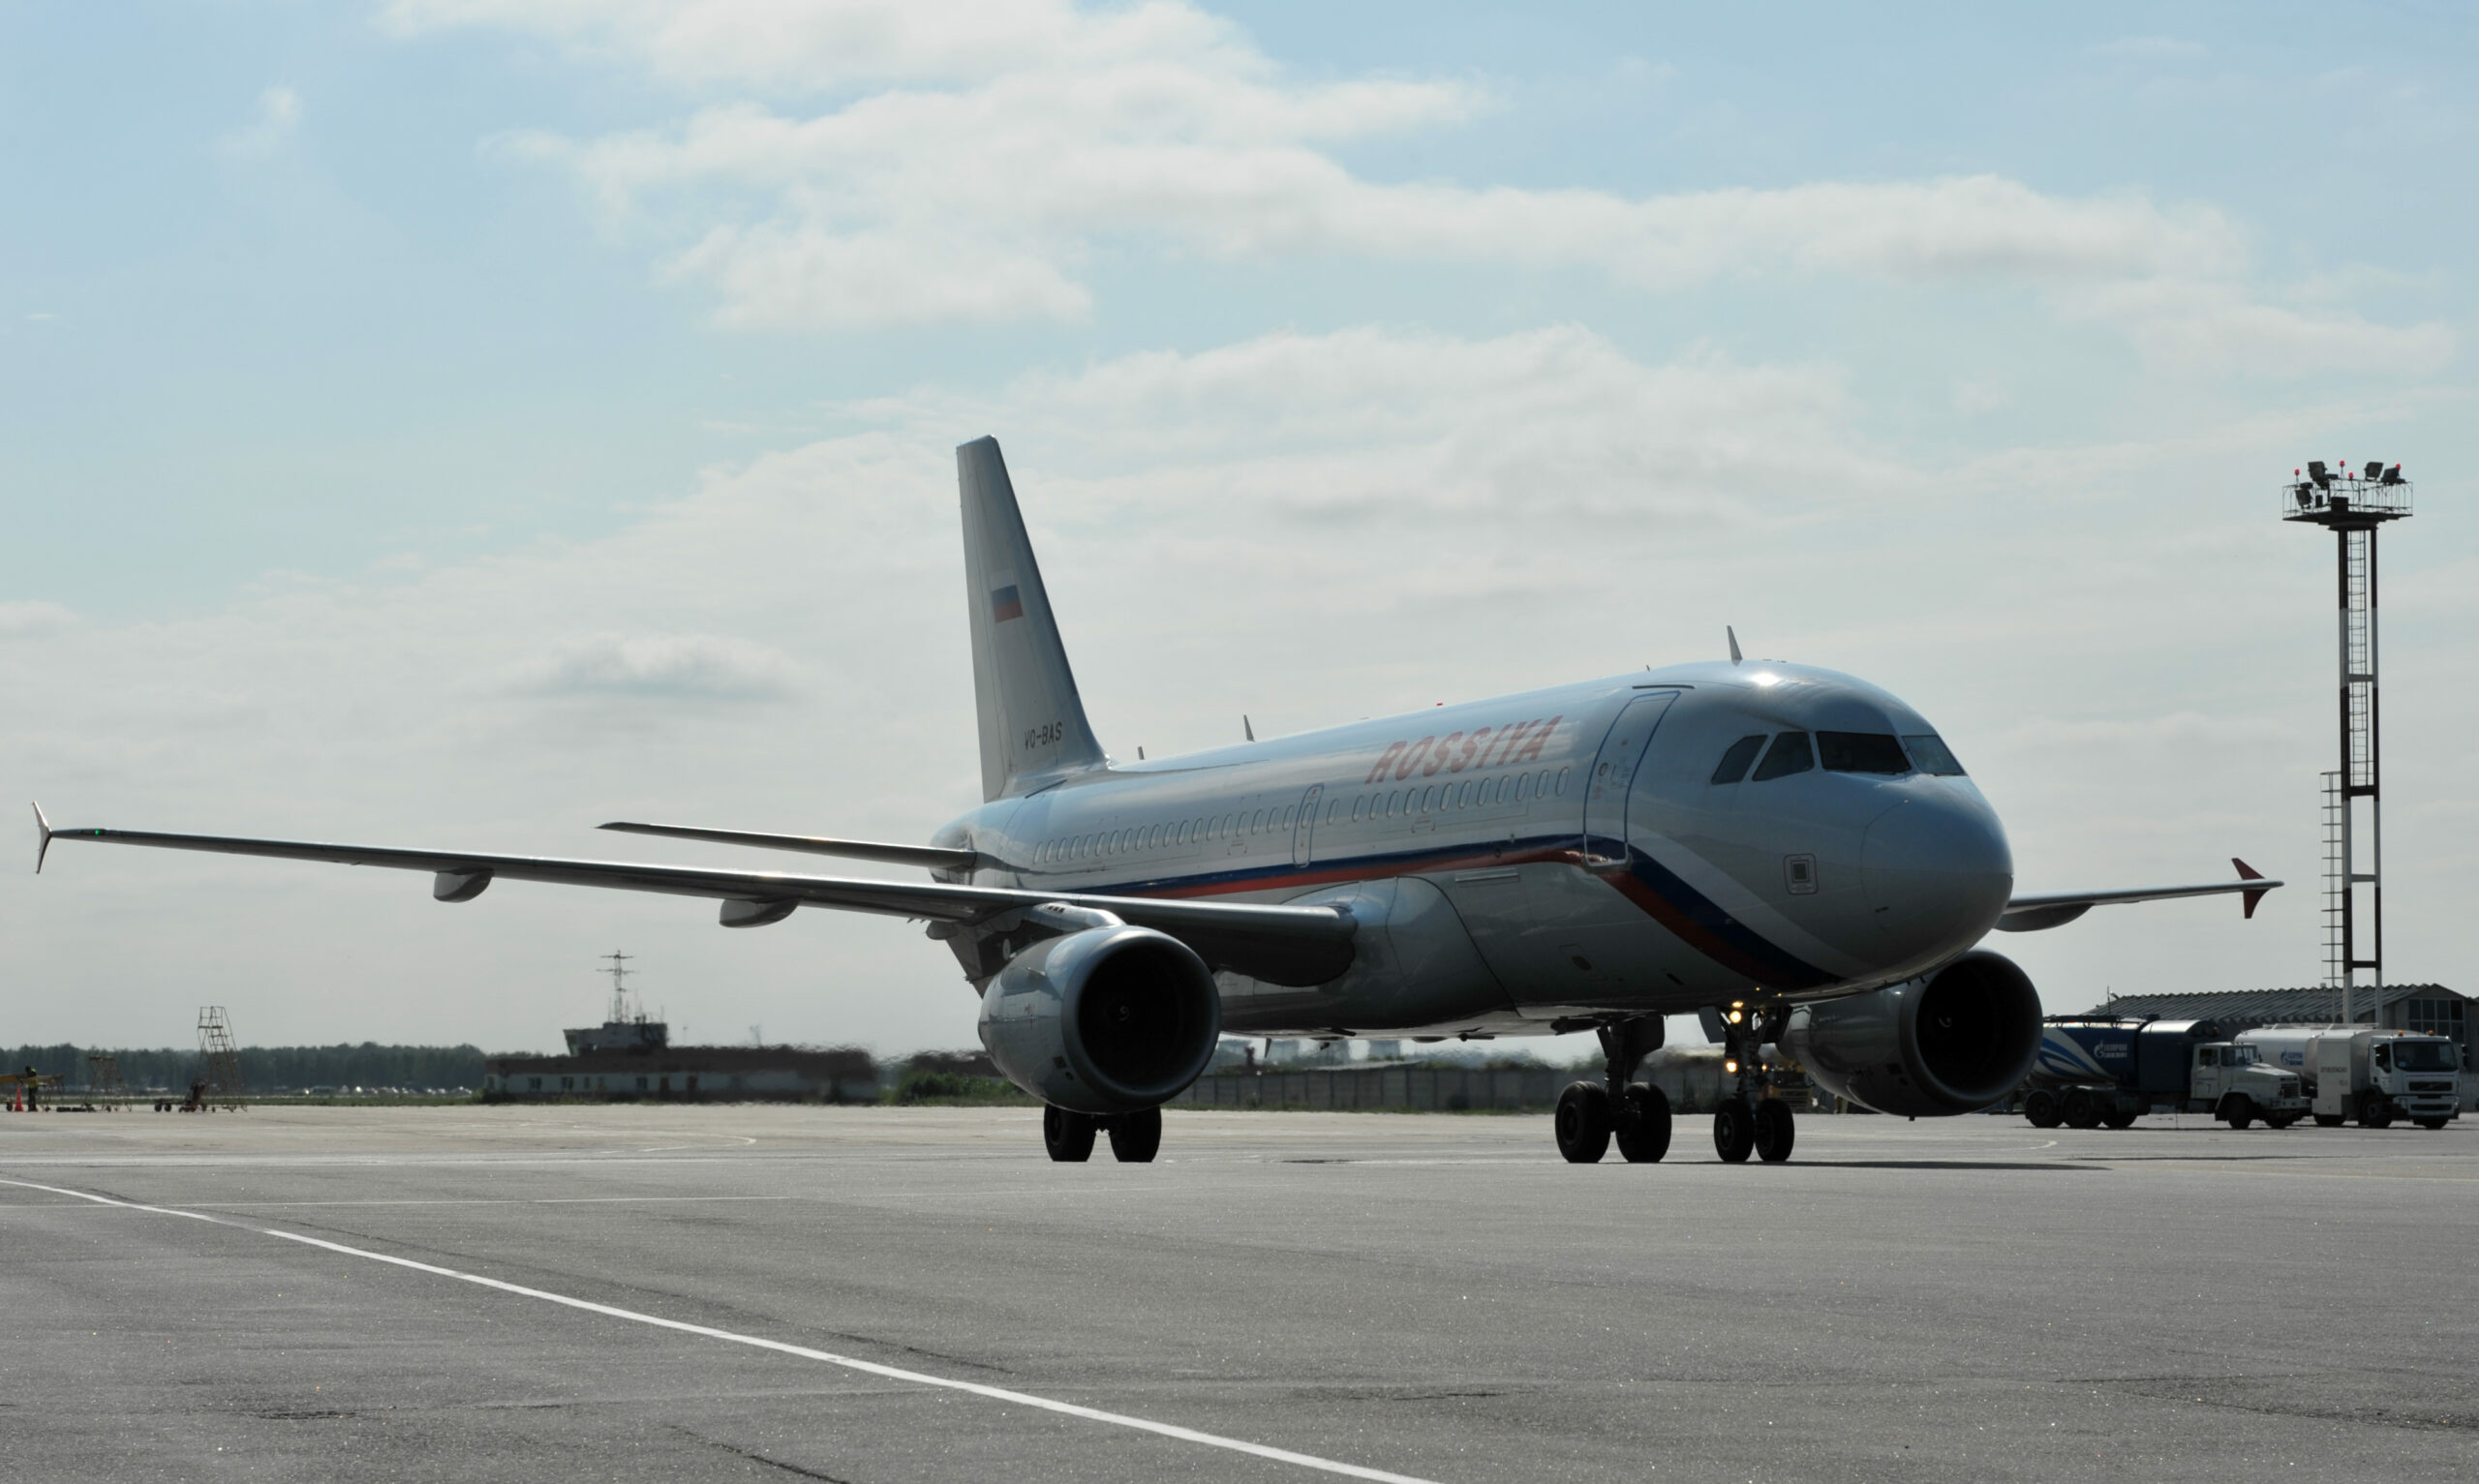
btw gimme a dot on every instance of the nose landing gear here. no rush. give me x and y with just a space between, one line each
1748 1122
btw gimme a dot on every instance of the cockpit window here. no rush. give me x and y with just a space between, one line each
1933 756
1861 752
1787 755
1734 762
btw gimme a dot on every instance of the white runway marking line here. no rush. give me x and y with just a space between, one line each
755 1342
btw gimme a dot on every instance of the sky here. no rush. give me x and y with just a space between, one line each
461 422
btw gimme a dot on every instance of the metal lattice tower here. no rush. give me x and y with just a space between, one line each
223 1057
2353 507
104 1085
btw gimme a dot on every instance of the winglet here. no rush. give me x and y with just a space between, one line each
1734 636
2245 873
42 838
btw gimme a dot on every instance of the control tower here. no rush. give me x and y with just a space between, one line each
2353 506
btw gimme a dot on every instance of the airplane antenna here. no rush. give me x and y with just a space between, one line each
1735 641
1244 726
1140 752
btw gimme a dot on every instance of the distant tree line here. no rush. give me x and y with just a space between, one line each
265 1069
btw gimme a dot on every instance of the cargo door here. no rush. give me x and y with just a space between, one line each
1612 777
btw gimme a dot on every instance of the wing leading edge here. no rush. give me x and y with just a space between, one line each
2056 909
1292 946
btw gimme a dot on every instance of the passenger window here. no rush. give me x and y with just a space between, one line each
1428 799
1562 783
1788 754
1523 787
1933 756
1153 838
1734 763
1290 817
1861 752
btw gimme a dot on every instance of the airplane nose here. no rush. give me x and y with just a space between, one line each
1936 871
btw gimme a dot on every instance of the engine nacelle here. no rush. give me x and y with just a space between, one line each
1106 1020
1953 1042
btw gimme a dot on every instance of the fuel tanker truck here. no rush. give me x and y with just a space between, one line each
2366 1073
2094 1069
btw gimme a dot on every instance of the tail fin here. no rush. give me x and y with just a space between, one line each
1033 721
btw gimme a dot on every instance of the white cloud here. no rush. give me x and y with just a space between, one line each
2216 326
660 667
278 116
25 618
985 152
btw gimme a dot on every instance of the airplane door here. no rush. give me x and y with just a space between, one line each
1305 827
1613 773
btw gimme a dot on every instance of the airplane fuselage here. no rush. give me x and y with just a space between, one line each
1614 847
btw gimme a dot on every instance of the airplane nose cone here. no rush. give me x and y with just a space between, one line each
1936 871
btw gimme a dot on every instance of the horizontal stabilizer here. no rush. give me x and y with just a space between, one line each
2056 909
928 856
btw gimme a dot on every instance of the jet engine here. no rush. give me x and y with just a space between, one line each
1110 1019
1953 1042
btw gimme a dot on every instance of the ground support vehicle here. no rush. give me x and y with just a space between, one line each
2094 1069
2366 1072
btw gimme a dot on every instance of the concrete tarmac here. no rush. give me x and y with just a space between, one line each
1431 1297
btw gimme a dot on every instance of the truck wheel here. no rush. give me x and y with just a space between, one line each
1582 1122
2373 1112
2121 1117
2329 1120
2081 1109
2238 1110
2041 1108
2431 1123
2282 1122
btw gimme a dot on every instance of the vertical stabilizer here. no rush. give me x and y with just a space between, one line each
1033 721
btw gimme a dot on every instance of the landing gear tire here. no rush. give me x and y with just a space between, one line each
1734 1131
1775 1130
1643 1132
2040 1107
2238 1110
2329 1120
1582 1122
2080 1110
1068 1136
1136 1137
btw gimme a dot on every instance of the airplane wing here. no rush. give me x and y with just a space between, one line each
928 856
2056 909
1296 946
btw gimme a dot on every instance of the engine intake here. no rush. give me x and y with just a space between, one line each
1106 1020
1953 1042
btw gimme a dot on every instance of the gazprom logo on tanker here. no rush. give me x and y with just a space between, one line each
1518 742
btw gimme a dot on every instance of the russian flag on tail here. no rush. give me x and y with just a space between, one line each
1004 604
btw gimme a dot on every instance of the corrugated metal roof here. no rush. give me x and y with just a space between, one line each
2314 1003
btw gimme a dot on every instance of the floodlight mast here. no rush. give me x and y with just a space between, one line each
2352 506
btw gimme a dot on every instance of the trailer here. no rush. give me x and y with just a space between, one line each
2094 1069
2366 1073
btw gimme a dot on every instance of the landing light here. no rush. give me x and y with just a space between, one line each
1731 1067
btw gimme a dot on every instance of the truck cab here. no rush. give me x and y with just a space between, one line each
2230 1082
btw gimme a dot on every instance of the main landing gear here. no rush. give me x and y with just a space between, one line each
1135 1138
1591 1114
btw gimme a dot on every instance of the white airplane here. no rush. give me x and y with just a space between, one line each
1788 852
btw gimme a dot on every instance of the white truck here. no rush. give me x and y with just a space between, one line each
2094 1069
2366 1073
